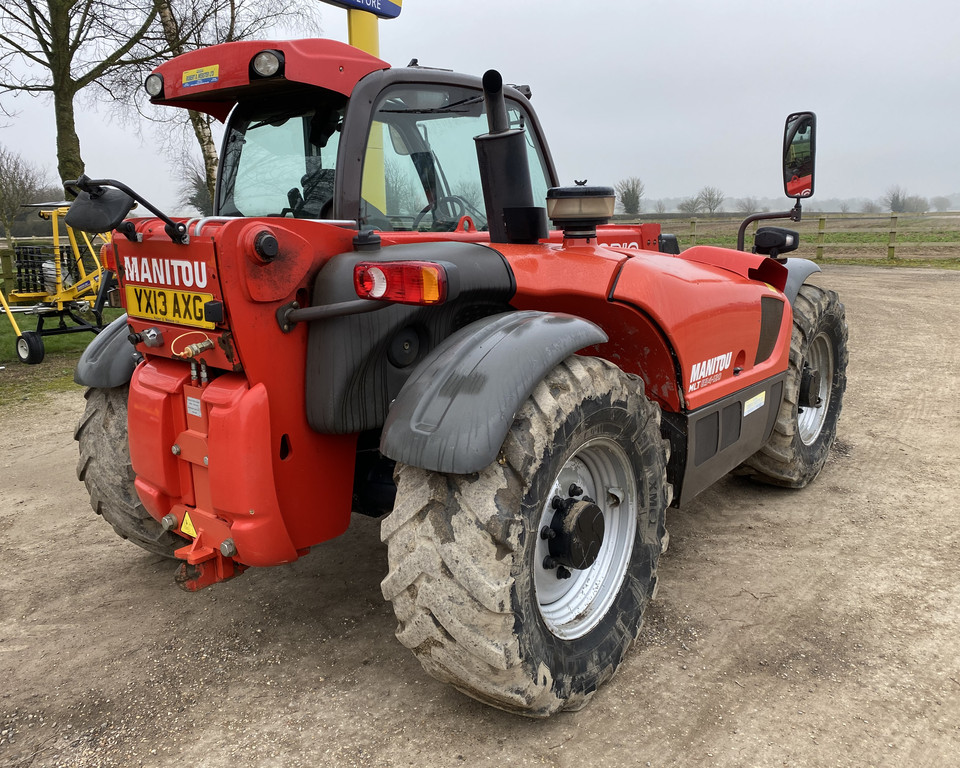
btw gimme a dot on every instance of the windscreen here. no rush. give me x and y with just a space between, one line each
421 170
279 158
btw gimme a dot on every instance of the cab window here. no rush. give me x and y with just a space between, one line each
421 170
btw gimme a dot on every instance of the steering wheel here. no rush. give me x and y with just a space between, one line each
459 205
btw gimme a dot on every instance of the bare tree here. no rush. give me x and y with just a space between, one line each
844 206
712 199
916 204
870 206
660 207
748 205
191 24
941 203
194 192
690 205
895 199
61 47
20 182
630 191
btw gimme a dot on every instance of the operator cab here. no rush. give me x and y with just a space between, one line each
410 160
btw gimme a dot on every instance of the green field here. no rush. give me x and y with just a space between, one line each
22 382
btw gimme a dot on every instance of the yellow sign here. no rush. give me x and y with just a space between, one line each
201 76
187 526
168 305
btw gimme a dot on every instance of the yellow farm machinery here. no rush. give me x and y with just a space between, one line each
64 283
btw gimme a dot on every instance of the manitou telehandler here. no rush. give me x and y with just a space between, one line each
378 319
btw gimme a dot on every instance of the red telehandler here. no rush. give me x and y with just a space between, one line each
377 319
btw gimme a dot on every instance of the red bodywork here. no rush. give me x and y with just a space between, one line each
234 460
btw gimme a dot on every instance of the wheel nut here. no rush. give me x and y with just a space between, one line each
547 533
228 548
175 449
169 522
549 563
563 573
574 490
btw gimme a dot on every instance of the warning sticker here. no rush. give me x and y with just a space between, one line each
187 526
755 403
193 406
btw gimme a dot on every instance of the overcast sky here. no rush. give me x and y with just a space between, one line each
681 93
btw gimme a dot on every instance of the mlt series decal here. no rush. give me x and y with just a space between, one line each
709 371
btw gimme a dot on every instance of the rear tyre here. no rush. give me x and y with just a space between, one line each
105 469
478 601
30 347
807 421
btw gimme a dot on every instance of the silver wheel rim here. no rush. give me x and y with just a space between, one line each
572 607
23 349
810 420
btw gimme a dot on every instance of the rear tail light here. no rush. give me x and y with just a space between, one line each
106 257
405 282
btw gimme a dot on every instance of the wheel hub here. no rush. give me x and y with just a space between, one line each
810 383
586 536
575 534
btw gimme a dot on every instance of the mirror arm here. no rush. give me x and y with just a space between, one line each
94 188
793 214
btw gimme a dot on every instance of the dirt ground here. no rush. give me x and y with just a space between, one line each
811 628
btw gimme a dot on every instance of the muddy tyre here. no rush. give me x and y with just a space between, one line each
104 468
492 603
806 424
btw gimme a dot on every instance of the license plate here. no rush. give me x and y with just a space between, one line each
168 305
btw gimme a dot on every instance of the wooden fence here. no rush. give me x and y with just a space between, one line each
891 237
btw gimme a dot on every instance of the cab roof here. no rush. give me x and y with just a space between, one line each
212 80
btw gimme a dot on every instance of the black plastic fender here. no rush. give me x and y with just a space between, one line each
454 411
798 271
109 360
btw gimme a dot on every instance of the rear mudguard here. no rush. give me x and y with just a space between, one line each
109 360
453 413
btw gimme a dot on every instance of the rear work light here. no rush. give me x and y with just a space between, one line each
405 282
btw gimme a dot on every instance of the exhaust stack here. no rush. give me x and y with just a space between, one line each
505 173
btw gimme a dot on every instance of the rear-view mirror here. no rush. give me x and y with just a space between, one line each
799 154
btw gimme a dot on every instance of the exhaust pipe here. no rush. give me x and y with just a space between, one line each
512 216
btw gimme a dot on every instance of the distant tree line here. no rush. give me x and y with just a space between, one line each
711 200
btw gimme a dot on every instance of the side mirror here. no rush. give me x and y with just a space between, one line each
96 209
799 154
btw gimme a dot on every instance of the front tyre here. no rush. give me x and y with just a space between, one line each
524 585
813 393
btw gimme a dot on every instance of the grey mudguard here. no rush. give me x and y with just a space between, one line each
454 411
109 360
799 270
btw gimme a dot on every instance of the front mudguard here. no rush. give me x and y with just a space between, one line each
798 270
109 360
454 412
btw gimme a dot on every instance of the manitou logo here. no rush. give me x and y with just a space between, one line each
709 371
175 272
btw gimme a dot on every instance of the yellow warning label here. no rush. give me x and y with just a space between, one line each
187 526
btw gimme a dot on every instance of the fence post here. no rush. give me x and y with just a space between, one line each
693 231
6 270
821 229
892 246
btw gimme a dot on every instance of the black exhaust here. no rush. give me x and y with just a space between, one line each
512 216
